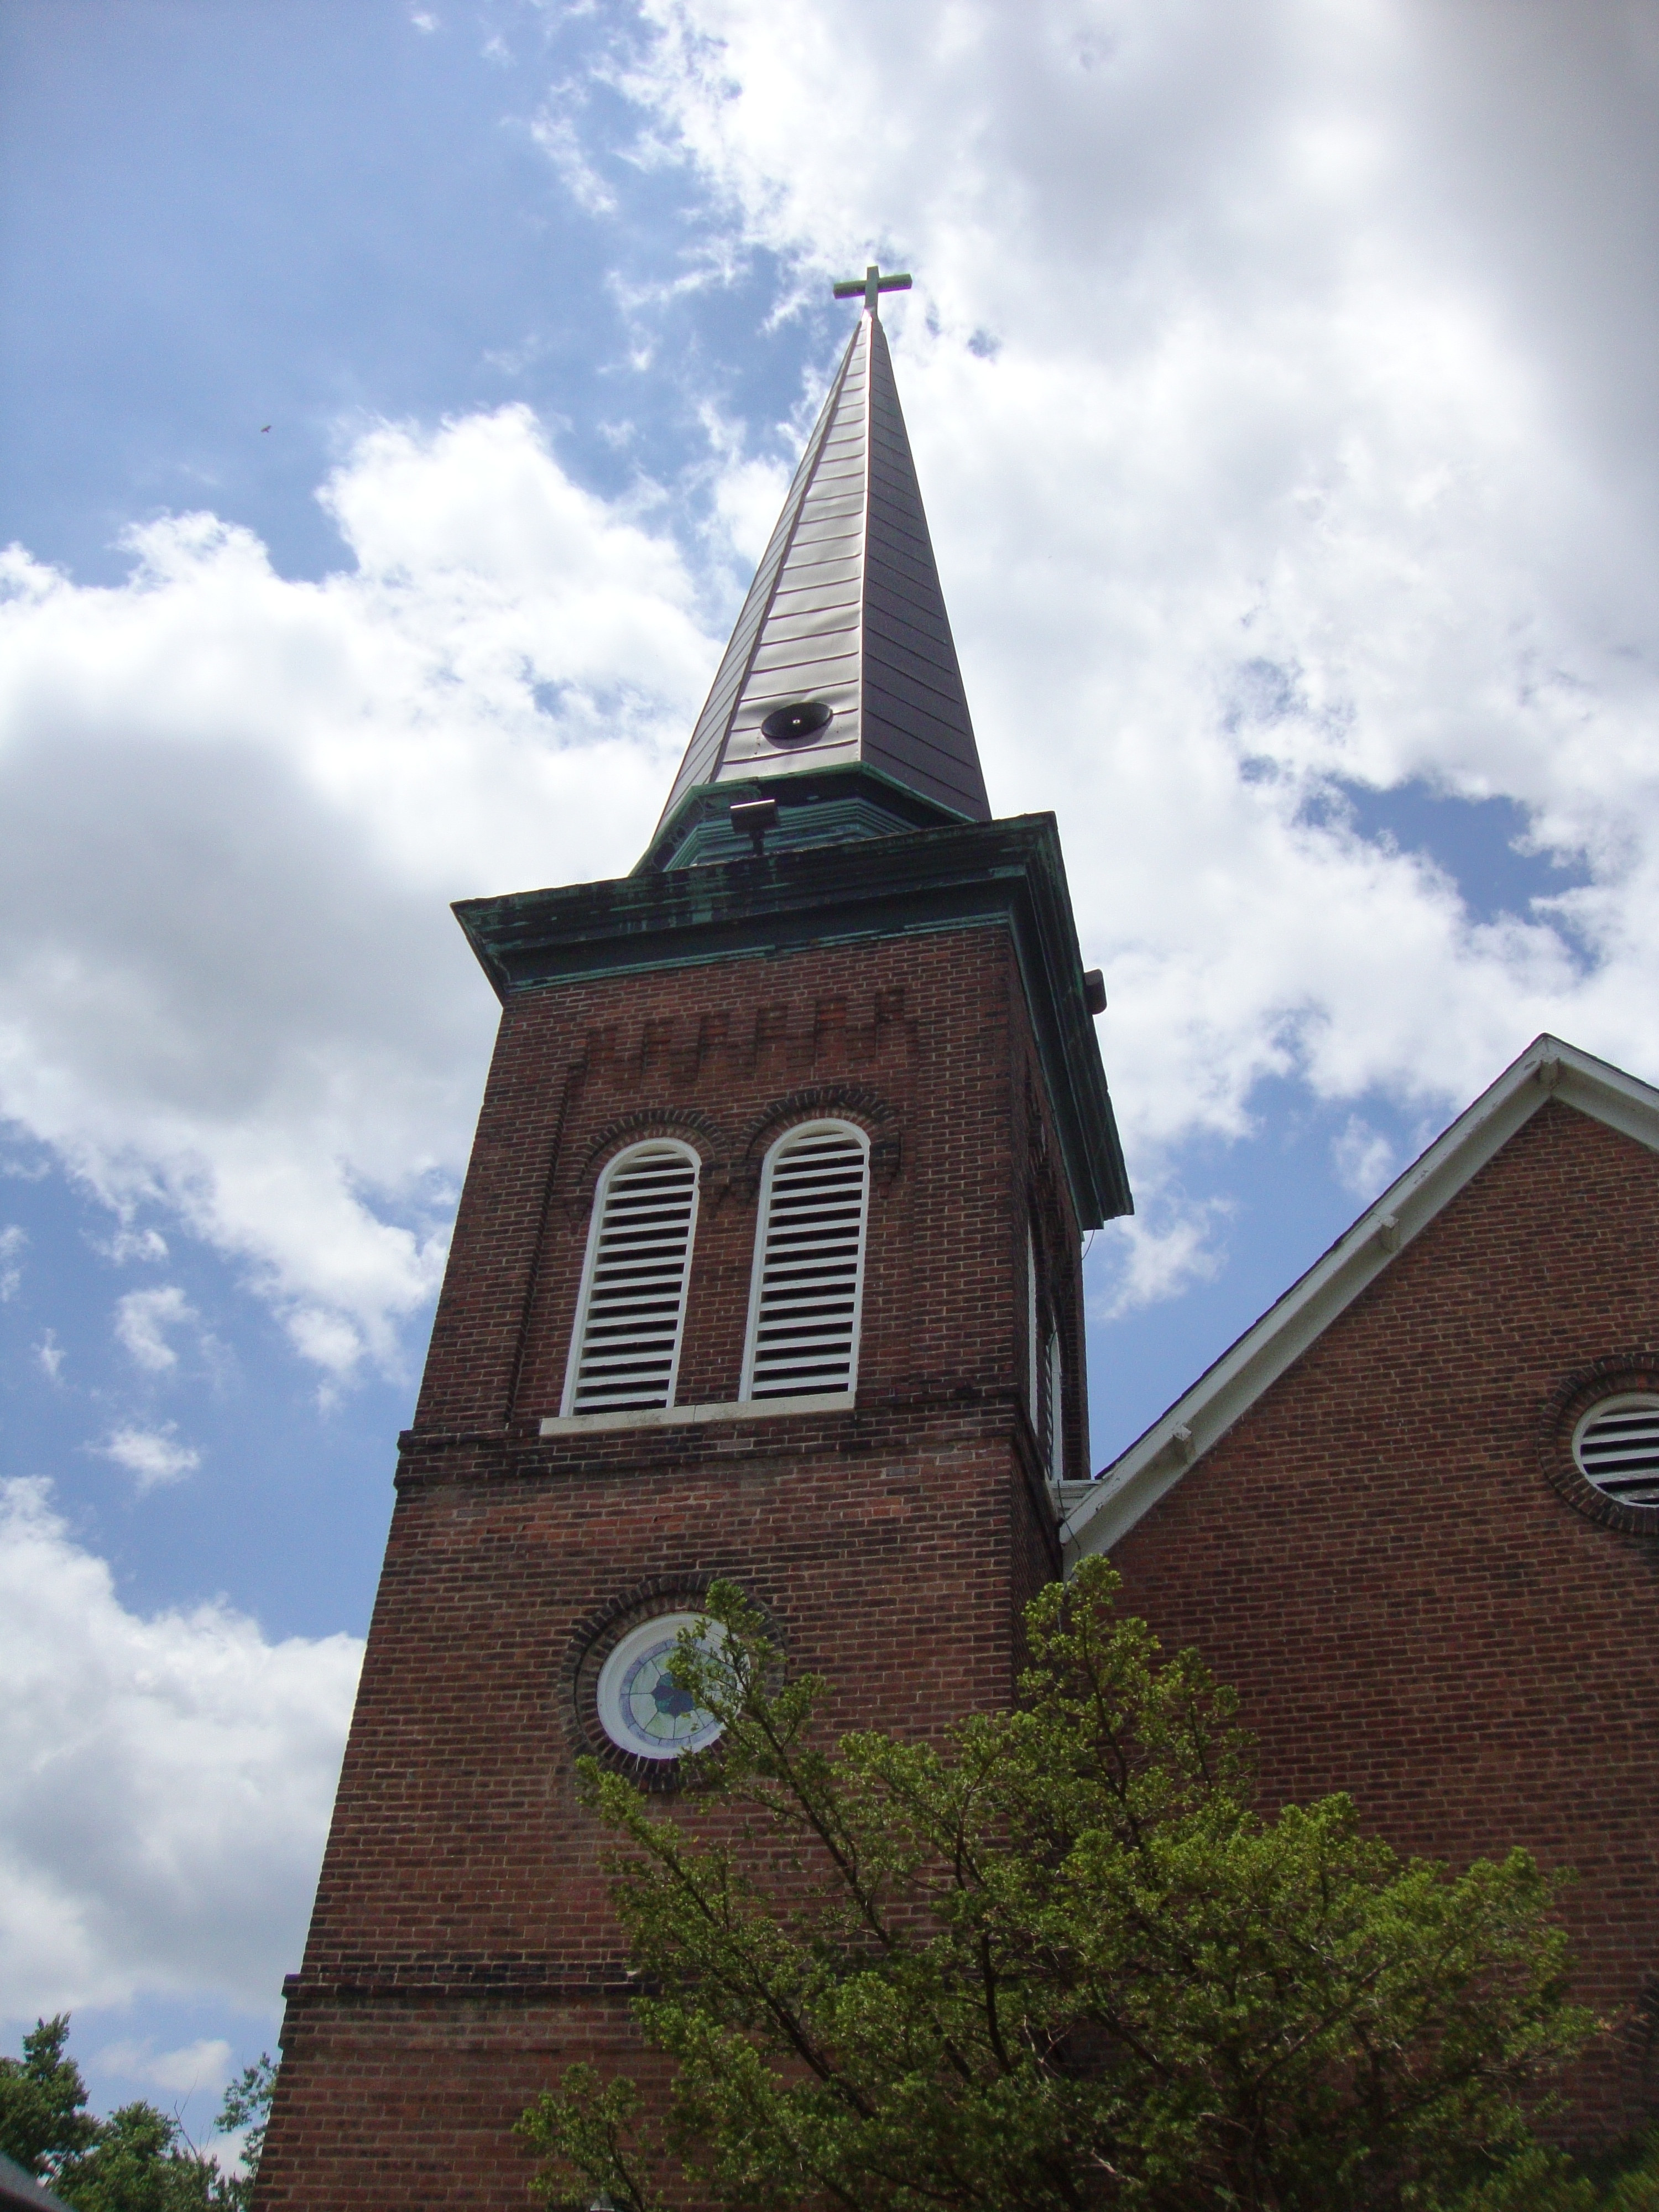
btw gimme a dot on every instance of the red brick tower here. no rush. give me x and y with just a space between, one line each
766 1267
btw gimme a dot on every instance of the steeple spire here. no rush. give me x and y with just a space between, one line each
842 667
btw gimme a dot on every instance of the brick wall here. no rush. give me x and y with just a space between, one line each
1380 1557
461 1946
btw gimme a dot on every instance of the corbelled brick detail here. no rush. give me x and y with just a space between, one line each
462 1949
1387 1556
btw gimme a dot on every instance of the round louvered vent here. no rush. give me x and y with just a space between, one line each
1617 1448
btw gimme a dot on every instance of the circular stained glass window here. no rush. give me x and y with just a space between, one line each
641 1707
1617 1448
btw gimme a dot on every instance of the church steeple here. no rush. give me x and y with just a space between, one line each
767 1267
839 698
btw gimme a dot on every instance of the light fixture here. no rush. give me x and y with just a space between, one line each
795 724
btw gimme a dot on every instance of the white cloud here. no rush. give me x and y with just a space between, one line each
142 1319
1363 1158
49 1356
555 131
204 2064
165 1783
234 808
747 500
1260 456
1156 1255
155 1456
1278 378
133 1244
13 1242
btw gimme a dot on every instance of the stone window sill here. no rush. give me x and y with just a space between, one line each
675 1417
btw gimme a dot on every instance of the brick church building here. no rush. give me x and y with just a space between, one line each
1413 1518
767 1266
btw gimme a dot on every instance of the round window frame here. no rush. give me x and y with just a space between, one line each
1629 1374
1614 1401
593 1639
646 1637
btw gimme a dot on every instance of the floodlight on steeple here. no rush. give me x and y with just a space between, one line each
840 693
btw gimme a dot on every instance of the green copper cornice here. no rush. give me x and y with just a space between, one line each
825 806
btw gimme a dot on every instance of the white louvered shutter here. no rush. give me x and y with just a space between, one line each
1054 1411
1033 1402
809 1264
626 1352
1617 1448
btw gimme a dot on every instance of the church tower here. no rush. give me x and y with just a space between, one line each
766 1267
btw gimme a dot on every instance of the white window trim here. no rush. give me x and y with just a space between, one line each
683 1417
1033 1404
757 1265
601 1194
1056 1385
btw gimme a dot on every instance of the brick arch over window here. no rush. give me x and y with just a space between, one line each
578 1184
880 1120
807 1288
630 1310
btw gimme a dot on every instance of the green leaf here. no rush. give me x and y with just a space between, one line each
1057 1960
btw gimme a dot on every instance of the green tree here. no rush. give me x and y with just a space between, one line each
140 2159
43 2101
1057 1962
1623 2179
247 2105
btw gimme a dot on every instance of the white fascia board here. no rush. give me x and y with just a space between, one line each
1157 1460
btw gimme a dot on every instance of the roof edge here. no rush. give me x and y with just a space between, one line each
1163 1454
19 2187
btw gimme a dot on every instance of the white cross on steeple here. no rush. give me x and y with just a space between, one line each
872 282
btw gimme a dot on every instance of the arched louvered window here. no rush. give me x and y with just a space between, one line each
625 1352
809 1264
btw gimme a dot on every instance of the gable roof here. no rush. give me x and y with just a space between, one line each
846 609
19 2188
1097 1514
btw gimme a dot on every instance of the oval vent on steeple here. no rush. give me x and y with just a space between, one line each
625 1353
1616 1446
794 724
809 1264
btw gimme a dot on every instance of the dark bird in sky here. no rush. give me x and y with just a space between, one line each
264 426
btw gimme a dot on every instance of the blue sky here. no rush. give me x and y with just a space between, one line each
1279 381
